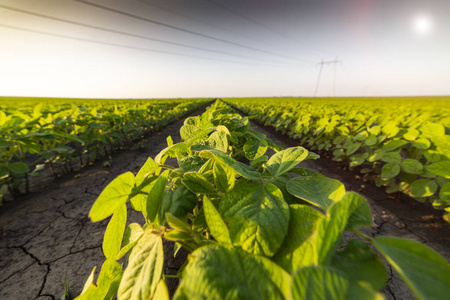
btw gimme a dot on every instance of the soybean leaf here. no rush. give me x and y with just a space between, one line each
224 177
144 269
360 263
18 168
107 283
149 167
114 233
319 282
155 196
362 215
215 223
179 203
132 235
255 149
440 168
192 163
317 190
327 283
258 217
390 171
423 188
161 293
285 160
259 161
320 246
197 183
218 272
115 194
175 150
411 166
303 222
242 169
425 271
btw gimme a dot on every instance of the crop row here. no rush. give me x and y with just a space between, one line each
256 227
61 133
402 144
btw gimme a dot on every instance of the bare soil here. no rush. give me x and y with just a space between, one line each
47 235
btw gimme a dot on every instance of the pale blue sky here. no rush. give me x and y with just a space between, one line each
224 48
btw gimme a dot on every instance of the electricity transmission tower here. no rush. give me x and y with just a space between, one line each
321 63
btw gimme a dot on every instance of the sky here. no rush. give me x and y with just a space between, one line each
218 48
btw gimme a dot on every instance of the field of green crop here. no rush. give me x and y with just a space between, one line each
400 143
256 227
36 133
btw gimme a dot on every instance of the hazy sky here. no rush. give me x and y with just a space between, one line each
218 48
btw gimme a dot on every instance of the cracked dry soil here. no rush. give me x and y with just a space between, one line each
47 235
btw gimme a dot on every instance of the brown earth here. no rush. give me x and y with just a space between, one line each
47 235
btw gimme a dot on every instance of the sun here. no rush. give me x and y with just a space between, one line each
422 24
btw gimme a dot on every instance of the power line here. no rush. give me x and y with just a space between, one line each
123 46
194 19
185 30
133 35
234 12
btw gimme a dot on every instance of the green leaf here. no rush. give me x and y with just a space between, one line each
320 246
411 166
319 282
425 271
197 183
191 133
144 269
393 144
132 235
155 196
161 293
360 263
362 215
18 168
148 168
114 195
215 223
303 222
317 190
114 233
5 144
444 193
192 163
421 143
411 134
258 217
423 188
440 168
242 169
175 150
431 130
285 160
392 157
224 177
390 171
179 203
371 141
259 161
352 148
218 272
107 283
255 149
218 140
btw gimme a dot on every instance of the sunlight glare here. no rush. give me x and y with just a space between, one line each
422 25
